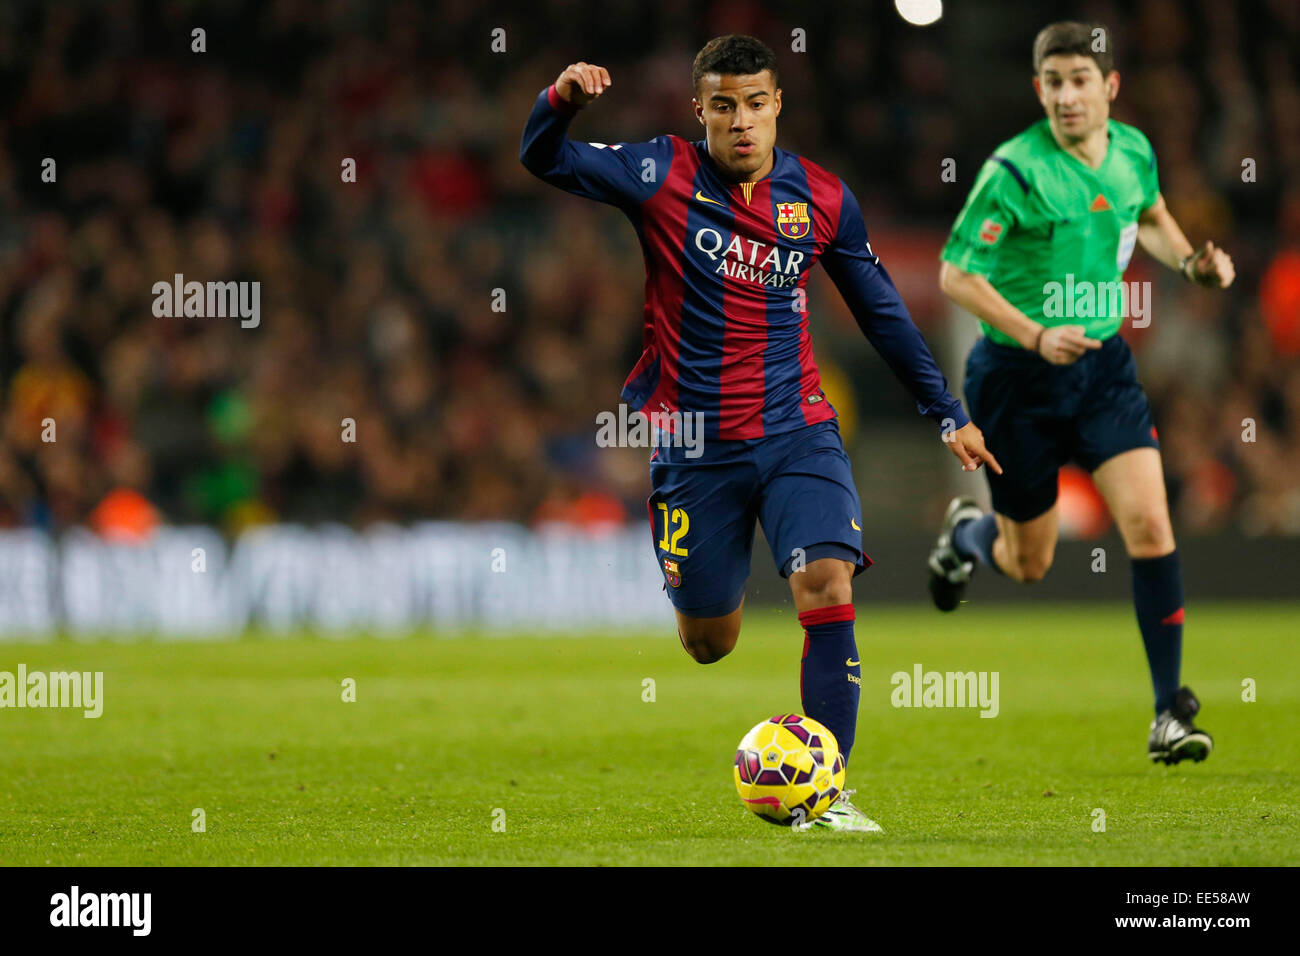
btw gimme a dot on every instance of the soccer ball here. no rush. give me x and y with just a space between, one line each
789 769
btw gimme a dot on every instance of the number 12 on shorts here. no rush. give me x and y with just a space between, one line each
669 541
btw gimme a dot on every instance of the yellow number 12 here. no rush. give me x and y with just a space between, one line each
683 522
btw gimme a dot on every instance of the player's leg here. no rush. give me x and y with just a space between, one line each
1119 447
830 672
822 583
702 519
709 639
809 510
830 676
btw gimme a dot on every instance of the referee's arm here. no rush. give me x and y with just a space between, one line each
976 295
1163 239
1060 345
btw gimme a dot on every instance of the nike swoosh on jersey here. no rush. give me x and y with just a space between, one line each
854 522
850 662
703 198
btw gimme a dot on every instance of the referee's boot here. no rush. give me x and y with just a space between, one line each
949 571
1173 735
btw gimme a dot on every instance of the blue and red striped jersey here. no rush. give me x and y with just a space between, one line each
727 266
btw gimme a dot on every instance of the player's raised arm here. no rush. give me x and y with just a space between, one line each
623 174
581 83
880 313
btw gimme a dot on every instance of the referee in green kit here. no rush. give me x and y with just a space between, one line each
1038 253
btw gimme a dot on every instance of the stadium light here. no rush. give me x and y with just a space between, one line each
920 13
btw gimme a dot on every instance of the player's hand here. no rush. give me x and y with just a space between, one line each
580 83
1065 344
967 443
1211 266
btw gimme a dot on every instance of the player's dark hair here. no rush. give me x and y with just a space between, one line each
1080 39
734 55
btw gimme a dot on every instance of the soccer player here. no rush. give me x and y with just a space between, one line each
1059 207
730 227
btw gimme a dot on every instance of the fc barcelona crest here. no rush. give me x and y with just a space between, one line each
672 572
792 219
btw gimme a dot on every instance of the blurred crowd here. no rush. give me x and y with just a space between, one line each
437 337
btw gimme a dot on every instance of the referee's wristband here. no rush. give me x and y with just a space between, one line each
1182 267
1039 341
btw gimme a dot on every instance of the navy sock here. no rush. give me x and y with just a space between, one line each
830 680
1158 600
973 540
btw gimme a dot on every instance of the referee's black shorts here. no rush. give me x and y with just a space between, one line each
1036 417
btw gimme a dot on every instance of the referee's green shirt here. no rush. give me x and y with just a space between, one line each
1052 235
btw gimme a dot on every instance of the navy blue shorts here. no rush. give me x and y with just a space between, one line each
1036 417
702 512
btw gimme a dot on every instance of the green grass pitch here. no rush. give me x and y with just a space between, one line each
552 738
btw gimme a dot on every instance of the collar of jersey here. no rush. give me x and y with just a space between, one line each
1110 146
706 161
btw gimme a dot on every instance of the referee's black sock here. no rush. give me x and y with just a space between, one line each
973 540
1158 599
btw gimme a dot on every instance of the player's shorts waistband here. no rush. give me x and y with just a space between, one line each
669 449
